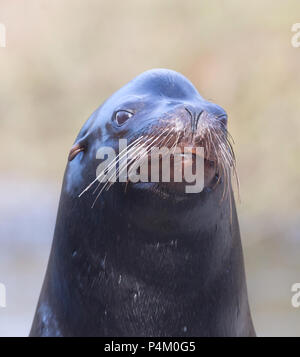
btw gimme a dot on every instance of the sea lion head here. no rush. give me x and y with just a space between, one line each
159 108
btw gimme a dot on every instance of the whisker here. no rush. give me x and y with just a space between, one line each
91 184
133 151
118 159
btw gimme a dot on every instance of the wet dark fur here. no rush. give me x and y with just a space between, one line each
141 263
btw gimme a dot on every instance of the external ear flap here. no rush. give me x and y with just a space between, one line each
75 150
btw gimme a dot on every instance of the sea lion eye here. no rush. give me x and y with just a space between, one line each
121 116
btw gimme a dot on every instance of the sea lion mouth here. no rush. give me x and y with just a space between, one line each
166 190
186 156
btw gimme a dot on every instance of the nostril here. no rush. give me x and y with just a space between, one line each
190 112
198 117
192 117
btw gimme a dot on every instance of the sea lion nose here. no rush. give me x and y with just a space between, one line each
194 116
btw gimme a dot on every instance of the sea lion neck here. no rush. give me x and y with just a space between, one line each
180 284
157 218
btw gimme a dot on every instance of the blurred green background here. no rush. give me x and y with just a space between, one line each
63 58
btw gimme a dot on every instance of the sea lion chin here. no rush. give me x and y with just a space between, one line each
147 258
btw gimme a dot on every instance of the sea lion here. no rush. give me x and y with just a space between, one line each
148 259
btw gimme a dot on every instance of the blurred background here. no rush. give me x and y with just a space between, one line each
64 58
